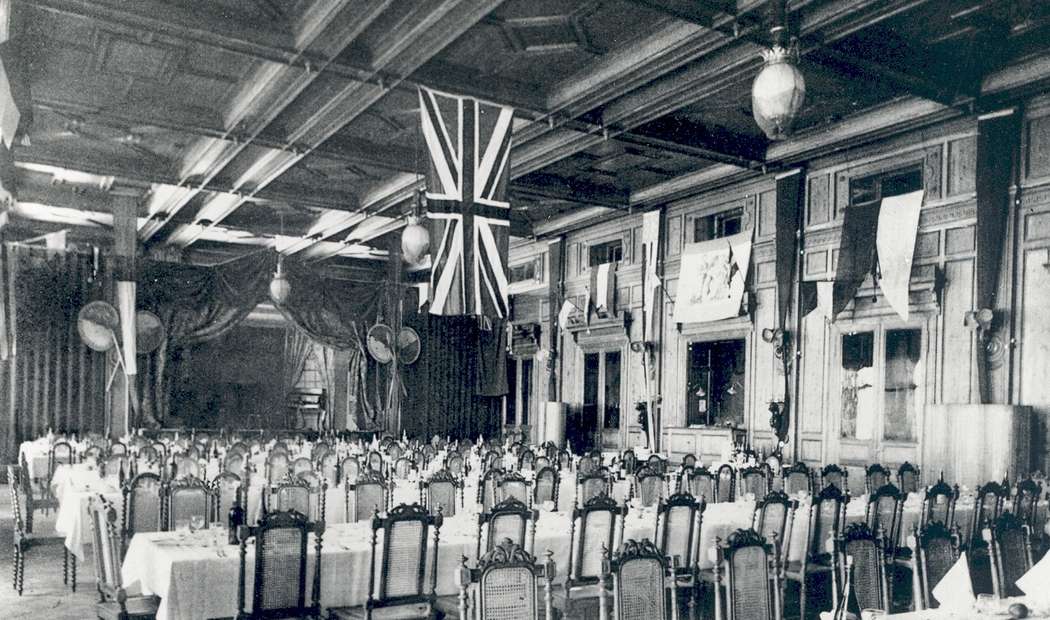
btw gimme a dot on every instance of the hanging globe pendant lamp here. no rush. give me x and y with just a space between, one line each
779 89
415 238
280 287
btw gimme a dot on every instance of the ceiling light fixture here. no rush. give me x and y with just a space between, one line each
779 90
415 239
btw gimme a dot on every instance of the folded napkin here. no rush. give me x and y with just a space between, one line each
1034 583
954 591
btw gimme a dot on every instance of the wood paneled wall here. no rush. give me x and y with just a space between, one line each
946 240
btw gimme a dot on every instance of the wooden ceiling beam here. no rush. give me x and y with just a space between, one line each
556 188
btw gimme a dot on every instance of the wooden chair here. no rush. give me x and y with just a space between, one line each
545 486
586 465
116 468
144 506
596 527
514 485
862 551
750 568
227 490
234 464
300 465
366 496
488 488
328 466
506 585
403 467
509 519
277 466
61 453
875 477
1009 546
42 501
774 519
187 498
349 470
455 464
24 541
1026 502
679 519
564 460
756 481
186 465
439 492
118 448
648 486
938 505
827 514
589 486
493 459
288 494
689 461
656 462
628 462
934 550
725 484
641 576
316 498
798 478
114 602
396 576
883 513
988 505
527 459
700 483
835 476
908 479
279 586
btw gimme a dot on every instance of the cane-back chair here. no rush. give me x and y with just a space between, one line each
774 519
835 476
589 486
875 477
756 481
455 464
798 479
725 484
234 463
863 554
564 460
397 577
988 505
93 454
349 470
61 453
32 502
908 479
227 490
1026 501
749 566
488 488
511 519
506 585
318 487
114 602
527 459
689 461
403 467
439 491
277 466
700 483
827 514
279 588
187 498
628 462
289 494
116 468
679 519
938 505
514 485
934 550
366 496
657 462
328 467
884 513
586 465
597 525
1009 546
545 487
300 465
641 578
144 505
493 459
24 540
648 486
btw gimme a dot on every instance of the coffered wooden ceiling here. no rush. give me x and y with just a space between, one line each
244 123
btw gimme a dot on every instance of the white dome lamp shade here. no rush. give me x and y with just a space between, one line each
415 238
280 287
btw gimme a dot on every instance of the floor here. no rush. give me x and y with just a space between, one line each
46 598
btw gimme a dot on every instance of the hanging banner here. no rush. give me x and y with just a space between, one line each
650 279
711 279
895 243
789 207
126 307
856 253
825 300
603 287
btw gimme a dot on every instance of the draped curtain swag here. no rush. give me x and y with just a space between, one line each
297 348
197 304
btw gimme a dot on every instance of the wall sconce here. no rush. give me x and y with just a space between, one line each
780 339
981 320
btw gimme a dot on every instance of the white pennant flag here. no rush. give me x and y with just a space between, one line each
651 281
9 114
895 242
825 297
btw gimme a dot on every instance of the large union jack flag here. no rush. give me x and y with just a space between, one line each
469 146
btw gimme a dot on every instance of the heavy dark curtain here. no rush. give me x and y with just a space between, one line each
50 379
200 303
297 347
856 253
456 387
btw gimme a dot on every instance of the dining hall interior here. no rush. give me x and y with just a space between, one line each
523 309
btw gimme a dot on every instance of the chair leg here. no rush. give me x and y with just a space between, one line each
20 568
73 570
692 601
14 569
802 598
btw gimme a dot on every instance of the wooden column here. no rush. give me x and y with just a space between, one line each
122 396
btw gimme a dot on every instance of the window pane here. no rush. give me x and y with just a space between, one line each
903 377
526 389
698 387
858 399
715 383
612 390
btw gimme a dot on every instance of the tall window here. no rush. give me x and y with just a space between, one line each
608 252
719 225
903 354
601 388
875 187
519 385
896 373
858 385
715 383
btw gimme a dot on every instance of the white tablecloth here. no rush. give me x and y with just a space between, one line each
195 582
1000 612
36 456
